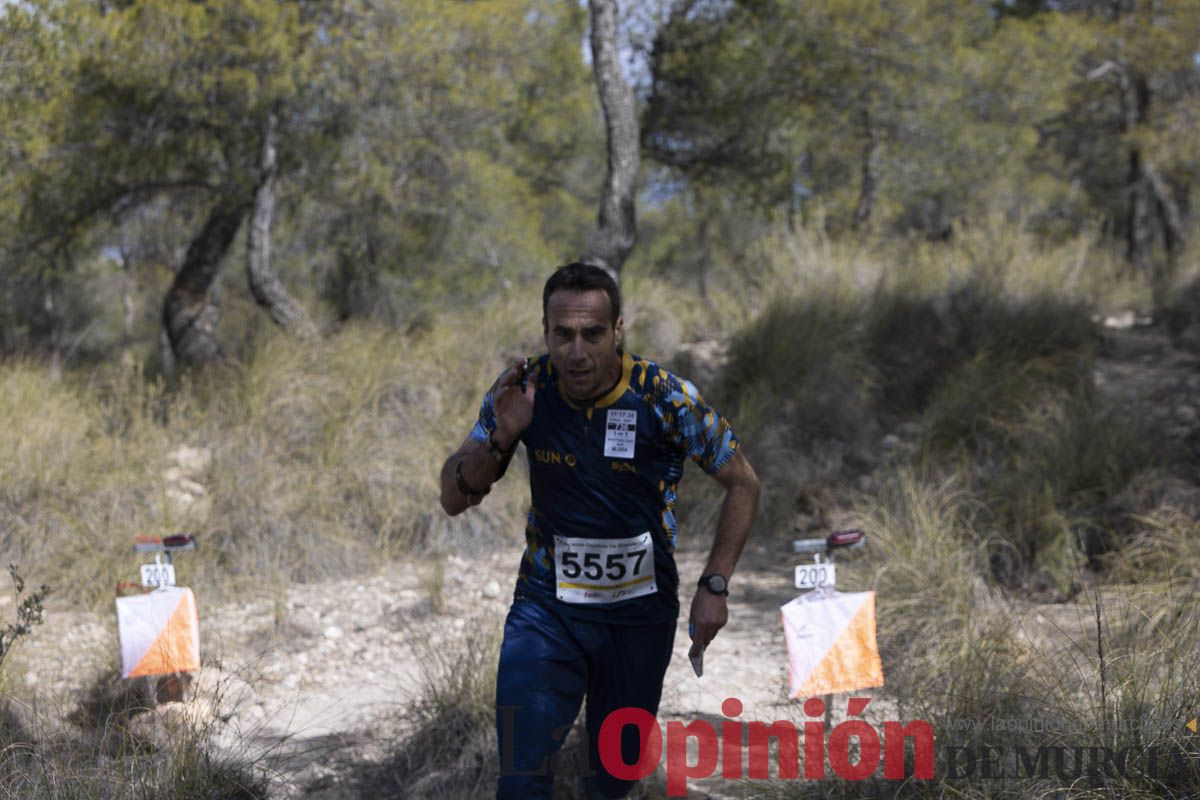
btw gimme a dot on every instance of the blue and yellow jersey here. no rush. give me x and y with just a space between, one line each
588 480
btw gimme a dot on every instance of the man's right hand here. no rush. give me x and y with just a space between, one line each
513 408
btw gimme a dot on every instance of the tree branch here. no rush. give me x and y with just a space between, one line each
269 292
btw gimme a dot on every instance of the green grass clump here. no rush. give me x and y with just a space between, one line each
999 385
828 362
972 353
799 370
952 651
114 744
449 749
1063 465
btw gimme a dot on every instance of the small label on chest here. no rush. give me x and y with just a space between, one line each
620 433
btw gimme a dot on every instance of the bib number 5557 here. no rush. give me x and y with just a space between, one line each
603 570
614 567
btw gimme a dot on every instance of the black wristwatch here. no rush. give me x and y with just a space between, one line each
715 583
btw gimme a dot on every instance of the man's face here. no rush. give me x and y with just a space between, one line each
582 341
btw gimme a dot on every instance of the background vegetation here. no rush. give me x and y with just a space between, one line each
881 236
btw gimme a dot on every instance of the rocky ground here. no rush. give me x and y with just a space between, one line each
314 683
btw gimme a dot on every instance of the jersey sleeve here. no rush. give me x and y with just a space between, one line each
487 415
695 427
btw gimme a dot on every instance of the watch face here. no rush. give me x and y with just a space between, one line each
716 584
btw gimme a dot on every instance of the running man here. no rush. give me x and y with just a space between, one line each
596 600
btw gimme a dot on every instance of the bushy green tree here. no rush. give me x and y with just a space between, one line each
160 97
473 153
1125 132
921 113
396 150
847 102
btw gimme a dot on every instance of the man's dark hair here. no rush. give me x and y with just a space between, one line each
580 277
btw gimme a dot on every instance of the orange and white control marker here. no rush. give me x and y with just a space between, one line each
831 643
159 632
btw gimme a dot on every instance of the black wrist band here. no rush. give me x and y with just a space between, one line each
498 452
465 487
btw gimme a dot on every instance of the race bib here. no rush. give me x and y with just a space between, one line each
603 570
620 432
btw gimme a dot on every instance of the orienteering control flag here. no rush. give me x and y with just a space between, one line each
159 632
831 643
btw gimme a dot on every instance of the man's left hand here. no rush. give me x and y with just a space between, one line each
709 614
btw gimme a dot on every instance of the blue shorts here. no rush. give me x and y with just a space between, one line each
548 664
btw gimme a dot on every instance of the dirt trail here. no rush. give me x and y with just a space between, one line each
348 693
1138 367
313 681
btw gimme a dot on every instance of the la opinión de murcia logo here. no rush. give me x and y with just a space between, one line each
725 749
853 750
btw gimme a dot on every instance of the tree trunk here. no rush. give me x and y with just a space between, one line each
7 328
1138 242
866 189
1135 99
189 319
1134 93
269 292
1168 209
616 229
53 335
128 317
